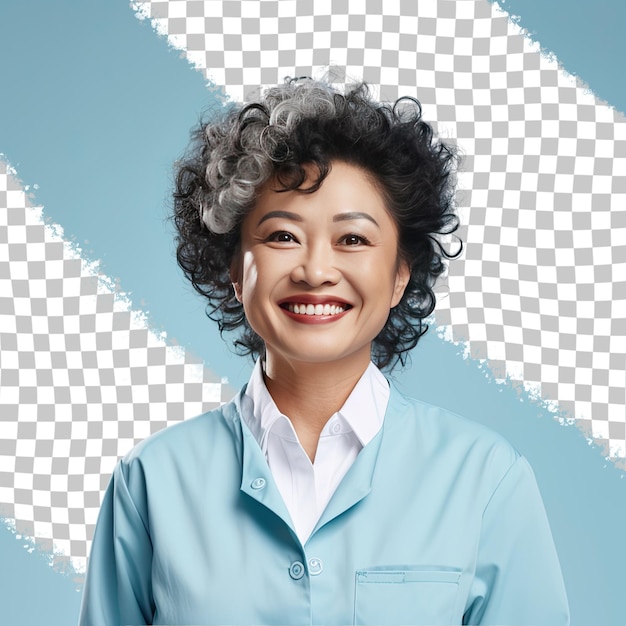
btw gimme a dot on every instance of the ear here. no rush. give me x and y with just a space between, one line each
235 275
403 275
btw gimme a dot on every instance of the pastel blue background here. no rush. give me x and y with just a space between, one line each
93 109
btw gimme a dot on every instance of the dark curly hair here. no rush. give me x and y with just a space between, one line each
308 122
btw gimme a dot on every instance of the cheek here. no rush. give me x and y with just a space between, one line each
249 276
380 278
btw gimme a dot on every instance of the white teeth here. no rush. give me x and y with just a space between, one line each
315 309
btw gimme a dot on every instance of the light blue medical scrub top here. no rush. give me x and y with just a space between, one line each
438 521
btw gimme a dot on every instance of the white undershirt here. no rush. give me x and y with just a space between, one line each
307 487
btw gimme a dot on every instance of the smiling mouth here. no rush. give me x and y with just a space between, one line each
315 309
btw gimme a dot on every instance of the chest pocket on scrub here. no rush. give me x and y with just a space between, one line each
401 595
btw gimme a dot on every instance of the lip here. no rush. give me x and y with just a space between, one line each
314 319
307 298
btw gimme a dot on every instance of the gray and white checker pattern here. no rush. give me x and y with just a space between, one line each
82 379
538 294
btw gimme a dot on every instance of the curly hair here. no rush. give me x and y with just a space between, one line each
300 123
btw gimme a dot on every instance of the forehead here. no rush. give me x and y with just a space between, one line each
346 188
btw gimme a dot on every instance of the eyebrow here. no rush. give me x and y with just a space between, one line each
354 215
340 217
284 214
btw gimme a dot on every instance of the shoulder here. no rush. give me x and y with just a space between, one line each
198 436
192 453
438 422
451 439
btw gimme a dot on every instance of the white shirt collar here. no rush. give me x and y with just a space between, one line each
363 411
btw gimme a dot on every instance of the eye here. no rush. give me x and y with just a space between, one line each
281 236
354 240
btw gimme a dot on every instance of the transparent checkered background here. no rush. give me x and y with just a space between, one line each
82 379
540 292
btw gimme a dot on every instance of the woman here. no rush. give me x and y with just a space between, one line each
312 222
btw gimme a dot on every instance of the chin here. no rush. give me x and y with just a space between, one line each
320 354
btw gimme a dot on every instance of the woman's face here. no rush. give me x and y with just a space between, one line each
318 273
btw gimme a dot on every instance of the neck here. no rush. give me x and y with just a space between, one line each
311 393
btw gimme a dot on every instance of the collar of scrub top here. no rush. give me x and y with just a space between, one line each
362 413
257 480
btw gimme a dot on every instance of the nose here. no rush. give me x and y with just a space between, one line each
316 266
